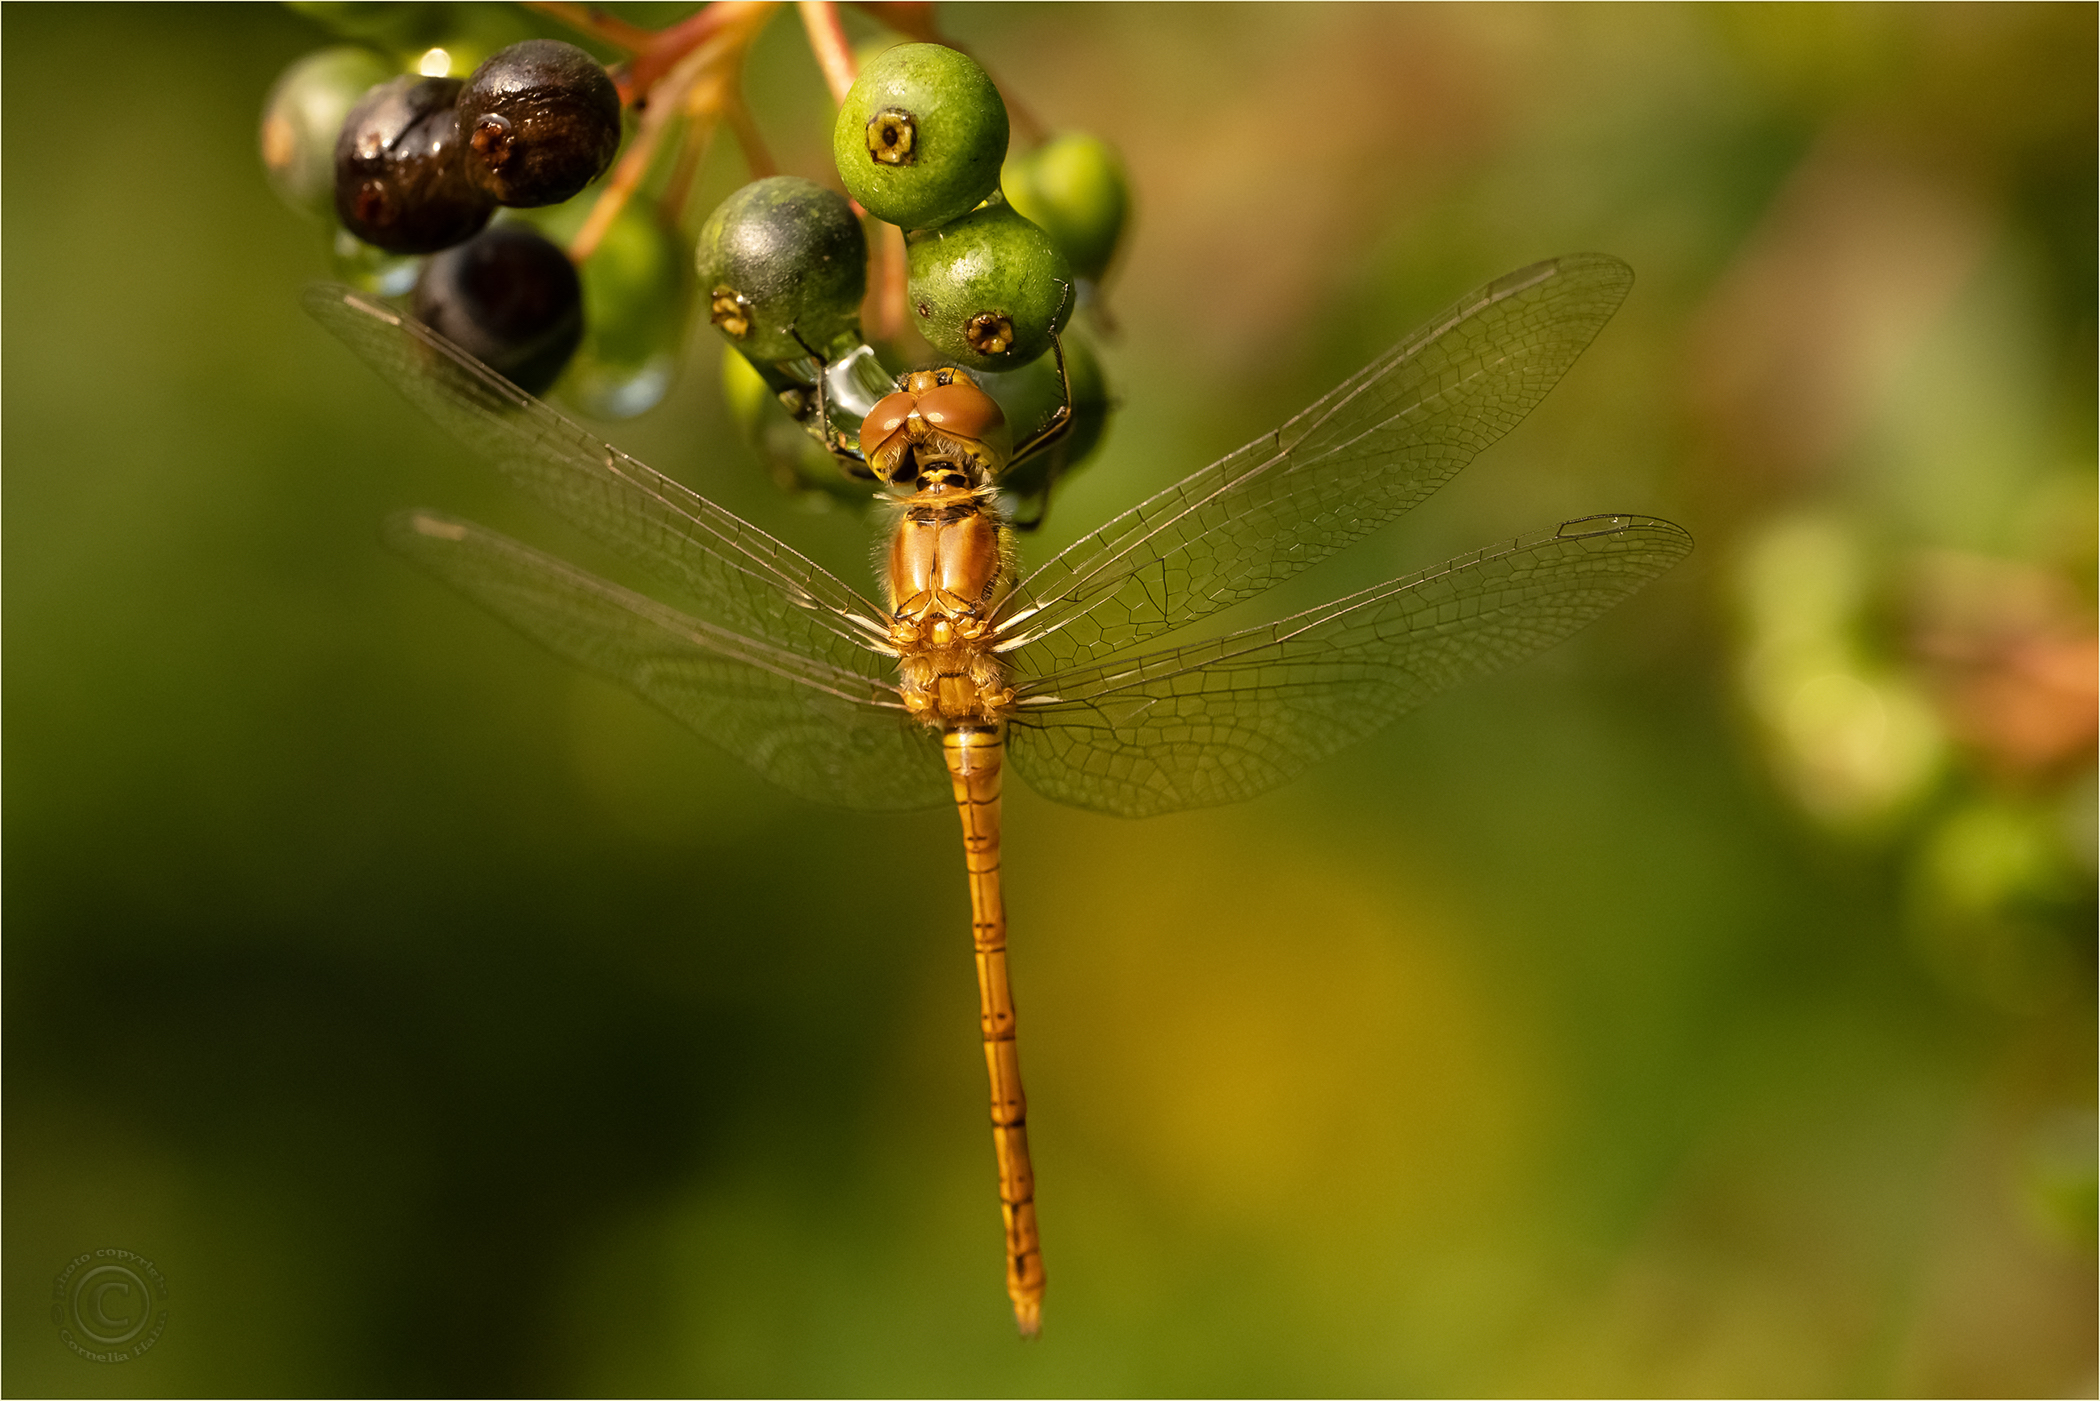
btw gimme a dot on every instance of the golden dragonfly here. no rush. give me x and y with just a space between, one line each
973 662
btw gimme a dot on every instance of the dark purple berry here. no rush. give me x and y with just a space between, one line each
510 299
398 182
541 121
304 118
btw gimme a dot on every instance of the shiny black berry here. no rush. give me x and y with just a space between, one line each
398 182
541 120
304 117
509 298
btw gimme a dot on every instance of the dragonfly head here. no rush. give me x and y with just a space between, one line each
938 425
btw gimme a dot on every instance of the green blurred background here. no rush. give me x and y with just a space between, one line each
1705 1008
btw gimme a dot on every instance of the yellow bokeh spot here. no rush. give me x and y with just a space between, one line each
1280 1040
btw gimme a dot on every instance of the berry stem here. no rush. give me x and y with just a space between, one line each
626 178
757 157
827 39
702 82
589 19
670 47
887 289
693 147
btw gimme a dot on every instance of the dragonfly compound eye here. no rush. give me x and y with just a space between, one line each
883 439
961 408
929 424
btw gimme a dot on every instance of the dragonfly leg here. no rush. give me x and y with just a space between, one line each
1060 422
851 460
974 757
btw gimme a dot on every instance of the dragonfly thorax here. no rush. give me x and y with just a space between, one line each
950 556
950 680
951 561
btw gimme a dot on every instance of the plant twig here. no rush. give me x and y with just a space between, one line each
701 82
753 142
589 19
827 40
626 179
671 46
698 140
627 176
887 293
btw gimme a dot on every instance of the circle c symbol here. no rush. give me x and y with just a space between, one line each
92 1301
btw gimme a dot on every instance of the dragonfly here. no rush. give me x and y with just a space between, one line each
969 662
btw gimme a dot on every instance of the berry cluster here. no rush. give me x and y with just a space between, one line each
452 193
419 165
920 143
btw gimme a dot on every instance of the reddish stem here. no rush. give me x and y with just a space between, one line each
884 308
911 18
589 19
670 46
756 156
626 178
827 40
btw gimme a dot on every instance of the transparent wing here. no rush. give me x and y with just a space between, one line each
1223 720
1374 448
739 574
817 730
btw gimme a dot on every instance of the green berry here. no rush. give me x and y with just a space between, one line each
780 258
1030 397
988 288
1074 187
303 117
920 136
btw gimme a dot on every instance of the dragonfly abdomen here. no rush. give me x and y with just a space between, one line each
975 756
